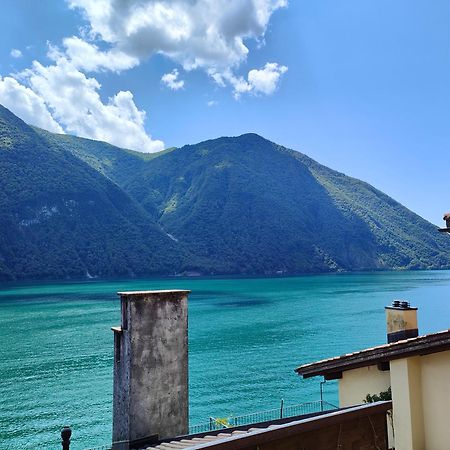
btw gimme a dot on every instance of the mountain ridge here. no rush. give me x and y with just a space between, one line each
231 205
59 216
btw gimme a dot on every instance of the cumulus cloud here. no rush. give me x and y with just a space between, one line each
86 56
15 53
26 104
211 35
60 97
171 80
212 103
75 103
266 80
207 34
259 81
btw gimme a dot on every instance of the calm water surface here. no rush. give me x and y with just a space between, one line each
246 336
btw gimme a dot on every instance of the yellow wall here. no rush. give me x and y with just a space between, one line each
407 403
420 395
436 400
357 383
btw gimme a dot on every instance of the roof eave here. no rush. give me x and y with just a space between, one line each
421 345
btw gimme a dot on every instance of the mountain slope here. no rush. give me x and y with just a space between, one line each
403 239
73 207
61 218
251 206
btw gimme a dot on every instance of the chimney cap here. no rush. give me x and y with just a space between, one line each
149 293
400 304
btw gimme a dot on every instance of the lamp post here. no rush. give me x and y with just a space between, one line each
66 432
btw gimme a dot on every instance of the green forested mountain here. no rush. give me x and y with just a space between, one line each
240 205
61 218
250 205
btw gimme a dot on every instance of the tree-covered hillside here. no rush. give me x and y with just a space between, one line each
250 205
72 207
60 218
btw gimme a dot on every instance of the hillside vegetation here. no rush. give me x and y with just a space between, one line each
60 218
73 207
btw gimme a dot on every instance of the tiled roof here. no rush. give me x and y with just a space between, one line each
254 435
420 345
214 437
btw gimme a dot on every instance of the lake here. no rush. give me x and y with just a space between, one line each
246 336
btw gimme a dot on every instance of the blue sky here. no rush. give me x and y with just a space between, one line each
360 86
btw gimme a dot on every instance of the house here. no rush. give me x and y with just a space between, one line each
416 368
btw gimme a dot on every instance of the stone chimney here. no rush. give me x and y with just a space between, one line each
150 396
401 320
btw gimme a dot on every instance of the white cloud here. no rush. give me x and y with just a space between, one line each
171 80
211 103
75 103
207 34
60 97
23 102
86 56
259 81
266 80
15 53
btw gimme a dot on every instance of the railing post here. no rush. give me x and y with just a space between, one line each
321 393
66 432
281 408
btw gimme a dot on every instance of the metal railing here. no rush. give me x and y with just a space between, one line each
100 447
216 423
261 416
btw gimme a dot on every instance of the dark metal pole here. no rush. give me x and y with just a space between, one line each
66 432
281 408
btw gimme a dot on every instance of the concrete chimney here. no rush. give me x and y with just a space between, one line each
150 396
401 320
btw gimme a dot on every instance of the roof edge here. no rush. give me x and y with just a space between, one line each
420 345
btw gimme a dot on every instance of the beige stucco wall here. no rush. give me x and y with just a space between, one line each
420 395
357 383
421 399
407 403
435 374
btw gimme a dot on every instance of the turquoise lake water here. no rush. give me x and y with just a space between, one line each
246 336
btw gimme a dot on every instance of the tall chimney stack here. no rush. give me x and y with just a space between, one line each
150 395
401 321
